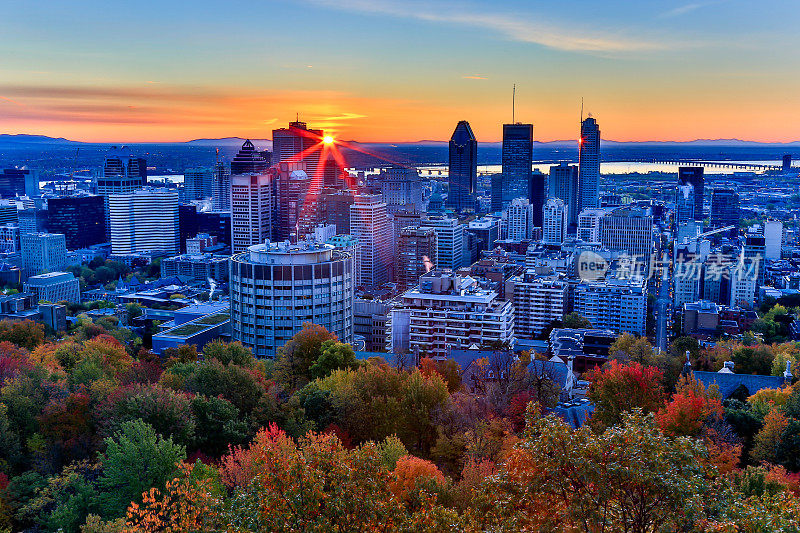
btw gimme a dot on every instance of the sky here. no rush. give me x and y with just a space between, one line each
385 71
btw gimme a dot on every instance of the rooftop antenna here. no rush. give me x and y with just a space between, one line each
581 109
513 103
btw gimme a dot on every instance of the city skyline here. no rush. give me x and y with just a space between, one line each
386 72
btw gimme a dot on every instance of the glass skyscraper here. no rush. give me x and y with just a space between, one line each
589 165
517 157
463 168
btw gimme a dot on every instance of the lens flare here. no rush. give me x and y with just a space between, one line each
327 139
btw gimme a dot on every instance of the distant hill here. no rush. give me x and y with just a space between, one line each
228 141
21 138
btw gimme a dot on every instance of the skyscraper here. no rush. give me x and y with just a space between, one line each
197 183
724 208
294 216
450 242
564 185
589 165
416 255
537 187
694 176
144 220
517 158
684 204
554 230
80 218
401 189
463 168
369 223
519 219
43 252
221 187
19 182
122 173
252 198
295 144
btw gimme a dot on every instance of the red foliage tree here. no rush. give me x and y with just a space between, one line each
616 388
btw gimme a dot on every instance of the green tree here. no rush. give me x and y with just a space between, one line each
136 459
577 321
229 352
334 356
296 356
219 424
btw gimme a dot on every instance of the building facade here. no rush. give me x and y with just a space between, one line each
416 255
369 223
618 305
81 219
517 157
589 165
462 168
144 220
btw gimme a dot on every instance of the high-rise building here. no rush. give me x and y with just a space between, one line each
463 168
122 172
253 200
724 208
754 254
19 182
416 255
334 208
694 176
295 144
43 252
9 214
296 216
276 287
539 300
446 310
589 165
450 245
628 229
369 322
252 210
773 239
517 158
496 193
401 190
589 224
486 231
197 183
144 220
538 196
349 244
81 219
554 230
221 187
616 304
684 204
519 219
369 223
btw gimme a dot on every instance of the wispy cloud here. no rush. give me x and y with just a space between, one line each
688 8
513 27
474 78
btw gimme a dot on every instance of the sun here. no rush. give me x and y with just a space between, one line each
327 139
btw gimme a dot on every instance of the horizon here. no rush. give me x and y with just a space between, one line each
390 72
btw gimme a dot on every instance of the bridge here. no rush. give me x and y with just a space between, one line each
741 165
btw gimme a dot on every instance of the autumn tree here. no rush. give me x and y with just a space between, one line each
333 355
293 360
616 388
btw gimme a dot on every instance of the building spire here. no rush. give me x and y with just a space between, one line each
513 103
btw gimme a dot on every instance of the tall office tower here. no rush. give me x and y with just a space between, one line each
753 257
694 176
252 199
744 285
369 223
122 173
404 219
295 217
486 230
616 304
517 159
9 214
684 204
401 190
448 311
276 287
416 255
334 208
786 165
554 230
80 218
725 208
43 252
252 210
496 193
221 187
369 322
538 195
197 183
463 168
450 242
144 220
519 219
629 230
538 302
589 165
295 144
333 175
248 160
32 220
19 182
773 239
54 287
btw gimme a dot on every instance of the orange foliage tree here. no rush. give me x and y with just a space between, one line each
616 388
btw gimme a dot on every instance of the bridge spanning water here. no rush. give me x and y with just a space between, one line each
737 165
